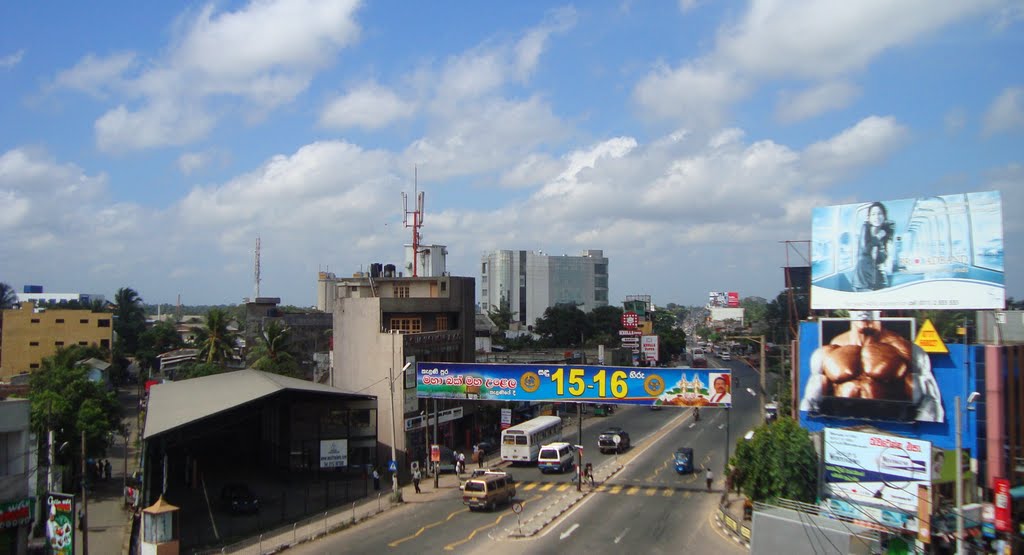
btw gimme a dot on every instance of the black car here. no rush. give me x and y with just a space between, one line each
237 498
607 442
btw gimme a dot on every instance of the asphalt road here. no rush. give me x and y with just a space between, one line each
645 507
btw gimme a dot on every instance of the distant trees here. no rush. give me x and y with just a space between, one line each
563 325
8 298
159 339
778 461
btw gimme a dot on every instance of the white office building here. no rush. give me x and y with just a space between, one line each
527 283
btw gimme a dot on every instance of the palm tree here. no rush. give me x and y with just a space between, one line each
129 319
216 342
272 353
8 298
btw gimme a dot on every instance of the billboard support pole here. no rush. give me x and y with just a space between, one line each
959 481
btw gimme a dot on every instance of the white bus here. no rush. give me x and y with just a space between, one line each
521 443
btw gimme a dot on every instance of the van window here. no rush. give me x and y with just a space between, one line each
474 486
549 454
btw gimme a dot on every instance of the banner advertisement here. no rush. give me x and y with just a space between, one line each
1001 500
870 368
876 469
649 345
872 517
734 299
15 513
685 387
333 453
60 523
941 252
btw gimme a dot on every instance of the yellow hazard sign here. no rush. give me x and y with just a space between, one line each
929 340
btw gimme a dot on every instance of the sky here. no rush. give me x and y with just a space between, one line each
148 145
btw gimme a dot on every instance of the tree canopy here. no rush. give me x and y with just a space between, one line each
273 351
7 296
129 319
216 341
563 325
779 461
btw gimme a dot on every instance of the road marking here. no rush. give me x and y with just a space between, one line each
423 529
453 545
632 490
692 424
569 532
667 492
615 489
601 488
651 491
531 485
547 486
622 535
686 494
563 487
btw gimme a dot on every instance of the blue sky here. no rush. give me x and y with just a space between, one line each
148 145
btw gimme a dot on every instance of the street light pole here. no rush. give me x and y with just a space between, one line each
959 482
394 433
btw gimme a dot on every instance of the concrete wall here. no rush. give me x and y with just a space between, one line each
29 336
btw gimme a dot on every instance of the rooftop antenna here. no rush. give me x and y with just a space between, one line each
257 268
417 219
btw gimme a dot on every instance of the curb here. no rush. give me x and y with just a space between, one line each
737 530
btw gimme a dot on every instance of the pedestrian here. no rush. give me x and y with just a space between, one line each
479 457
81 519
416 478
108 469
709 476
99 469
462 462
376 479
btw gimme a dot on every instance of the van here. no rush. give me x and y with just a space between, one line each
555 457
488 490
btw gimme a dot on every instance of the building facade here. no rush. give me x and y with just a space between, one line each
383 323
16 476
309 333
528 283
29 335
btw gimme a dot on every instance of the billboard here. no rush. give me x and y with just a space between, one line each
684 387
60 527
333 453
869 367
734 299
953 374
718 298
941 252
876 469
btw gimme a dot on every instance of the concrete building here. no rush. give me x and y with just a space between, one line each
382 323
527 283
35 293
29 335
309 333
17 475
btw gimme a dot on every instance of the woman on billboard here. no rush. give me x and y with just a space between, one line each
875 250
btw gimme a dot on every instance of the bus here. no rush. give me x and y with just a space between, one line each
521 443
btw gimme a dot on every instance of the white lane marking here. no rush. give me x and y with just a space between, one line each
568 532
622 535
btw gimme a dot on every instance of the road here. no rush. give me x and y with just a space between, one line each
645 507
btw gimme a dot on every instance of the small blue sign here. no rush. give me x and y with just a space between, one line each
392 466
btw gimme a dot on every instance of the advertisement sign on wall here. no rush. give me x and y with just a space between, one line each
333 453
734 299
1001 500
876 469
941 252
685 387
870 368
649 345
60 523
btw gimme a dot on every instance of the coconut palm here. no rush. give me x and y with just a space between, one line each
129 319
272 352
8 298
216 341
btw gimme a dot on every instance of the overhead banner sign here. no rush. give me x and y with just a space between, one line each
684 387
940 252
876 469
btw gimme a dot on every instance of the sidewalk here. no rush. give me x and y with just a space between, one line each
731 518
109 523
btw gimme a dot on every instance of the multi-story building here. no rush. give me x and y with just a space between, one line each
35 293
528 283
16 476
30 335
309 333
382 323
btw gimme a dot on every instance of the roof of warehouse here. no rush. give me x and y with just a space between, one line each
175 404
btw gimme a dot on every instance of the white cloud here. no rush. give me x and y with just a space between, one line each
11 60
369 106
192 162
1006 113
161 123
531 171
691 94
869 141
95 75
824 39
955 120
687 5
814 101
531 46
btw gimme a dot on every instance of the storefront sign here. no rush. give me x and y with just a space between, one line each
333 453
15 513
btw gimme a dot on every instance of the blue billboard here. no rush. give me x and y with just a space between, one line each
927 416
679 387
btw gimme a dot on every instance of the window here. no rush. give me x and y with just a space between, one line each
103 323
442 322
105 343
83 321
60 320
444 286
34 365
601 296
33 343
35 320
84 343
58 343
401 291
407 325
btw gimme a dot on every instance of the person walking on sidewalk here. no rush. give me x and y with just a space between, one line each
479 457
461 464
709 476
376 479
416 478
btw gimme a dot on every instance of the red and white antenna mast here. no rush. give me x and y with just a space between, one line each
256 269
417 220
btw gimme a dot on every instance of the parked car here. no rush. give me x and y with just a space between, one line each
613 440
237 498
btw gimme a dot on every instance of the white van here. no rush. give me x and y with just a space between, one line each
556 457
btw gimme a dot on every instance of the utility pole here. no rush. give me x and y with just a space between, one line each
579 435
85 504
437 465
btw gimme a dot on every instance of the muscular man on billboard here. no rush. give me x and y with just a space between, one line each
871 362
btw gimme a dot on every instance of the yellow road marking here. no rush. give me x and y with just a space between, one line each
686 494
651 491
601 488
547 486
423 529
531 485
632 490
563 487
615 489
453 545
667 492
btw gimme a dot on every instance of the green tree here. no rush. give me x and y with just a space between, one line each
129 319
8 298
272 352
605 323
779 461
64 400
563 325
155 341
198 370
216 342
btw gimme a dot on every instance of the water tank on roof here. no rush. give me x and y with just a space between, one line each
389 270
375 269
